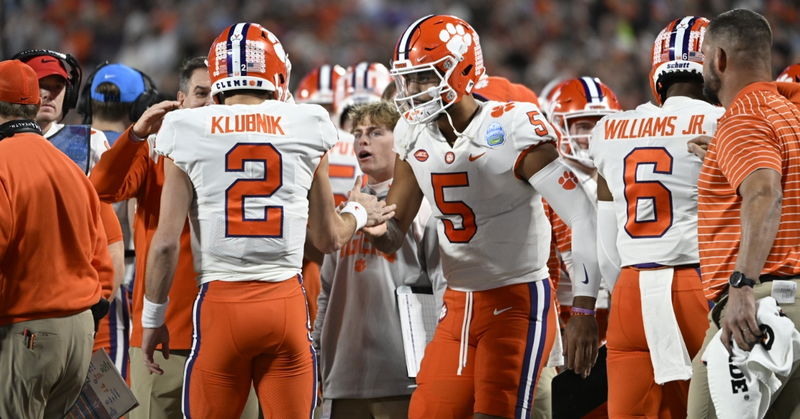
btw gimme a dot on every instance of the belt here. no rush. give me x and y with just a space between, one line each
769 278
659 266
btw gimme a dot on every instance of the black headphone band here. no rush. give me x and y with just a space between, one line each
74 70
17 126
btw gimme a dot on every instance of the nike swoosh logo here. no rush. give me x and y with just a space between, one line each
45 60
498 312
109 76
24 98
585 275
473 158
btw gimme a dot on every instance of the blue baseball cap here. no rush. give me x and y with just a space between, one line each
129 81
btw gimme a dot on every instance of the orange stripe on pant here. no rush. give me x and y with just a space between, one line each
632 391
250 332
510 336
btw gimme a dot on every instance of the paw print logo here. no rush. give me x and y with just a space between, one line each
457 39
568 180
277 46
498 111
361 264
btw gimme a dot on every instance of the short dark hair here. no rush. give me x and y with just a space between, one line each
112 110
744 31
18 110
187 69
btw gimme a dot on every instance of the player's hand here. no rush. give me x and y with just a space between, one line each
150 121
581 344
377 211
699 145
739 320
150 339
376 231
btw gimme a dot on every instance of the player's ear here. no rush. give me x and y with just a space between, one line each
181 97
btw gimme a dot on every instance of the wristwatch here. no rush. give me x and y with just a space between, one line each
738 280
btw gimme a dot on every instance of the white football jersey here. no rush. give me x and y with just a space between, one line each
492 231
642 154
252 167
343 166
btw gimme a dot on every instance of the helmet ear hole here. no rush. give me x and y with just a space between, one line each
467 70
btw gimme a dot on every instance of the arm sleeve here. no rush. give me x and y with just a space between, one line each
607 252
326 273
120 173
111 223
101 259
746 143
574 207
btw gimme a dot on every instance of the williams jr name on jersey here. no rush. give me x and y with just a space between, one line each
251 167
492 231
643 156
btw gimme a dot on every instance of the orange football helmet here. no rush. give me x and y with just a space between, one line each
579 98
247 56
791 73
318 86
445 48
676 50
361 83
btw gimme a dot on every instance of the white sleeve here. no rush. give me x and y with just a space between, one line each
574 207
607 252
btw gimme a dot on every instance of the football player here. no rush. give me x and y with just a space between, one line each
647 213
251 173
483 166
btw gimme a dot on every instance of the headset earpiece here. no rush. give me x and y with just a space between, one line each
73 85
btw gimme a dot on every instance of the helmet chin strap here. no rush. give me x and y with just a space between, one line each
458 133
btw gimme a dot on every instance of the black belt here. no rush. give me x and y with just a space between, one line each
769 278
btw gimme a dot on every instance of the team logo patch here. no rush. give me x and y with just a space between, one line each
421 155
449 157
495 135
568 180
443 313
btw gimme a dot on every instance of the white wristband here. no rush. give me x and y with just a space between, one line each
153 314
358 211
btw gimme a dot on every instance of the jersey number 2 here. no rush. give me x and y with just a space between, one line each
468 227
654 193
270 224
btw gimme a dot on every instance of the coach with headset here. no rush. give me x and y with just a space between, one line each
54 263
113 97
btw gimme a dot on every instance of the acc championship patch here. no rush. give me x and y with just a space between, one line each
495 135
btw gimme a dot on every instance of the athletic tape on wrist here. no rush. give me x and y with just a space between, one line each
358 211
153 315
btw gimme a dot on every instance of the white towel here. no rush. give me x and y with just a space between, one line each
668 352
744 385
556 358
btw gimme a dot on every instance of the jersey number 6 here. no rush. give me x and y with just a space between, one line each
459 208
648 192
270 224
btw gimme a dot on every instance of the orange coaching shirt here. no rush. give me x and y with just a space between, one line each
144 180
760 130
54 258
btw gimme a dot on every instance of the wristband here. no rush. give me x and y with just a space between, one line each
356 210
577 311
153 314
135 137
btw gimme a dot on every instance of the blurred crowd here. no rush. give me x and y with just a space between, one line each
531 41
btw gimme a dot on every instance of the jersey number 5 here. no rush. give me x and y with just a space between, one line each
270 224
647 192
459 208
